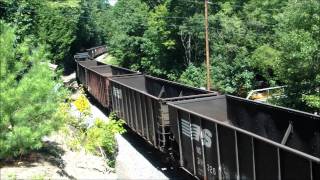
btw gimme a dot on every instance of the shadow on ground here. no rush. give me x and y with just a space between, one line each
154 156
53 154
50 153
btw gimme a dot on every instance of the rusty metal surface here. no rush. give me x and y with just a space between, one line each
98 81
160 88
82 67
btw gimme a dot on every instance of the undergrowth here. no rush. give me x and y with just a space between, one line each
99 138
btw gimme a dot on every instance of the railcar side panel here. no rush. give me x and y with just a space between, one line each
214 144
146 108
97 81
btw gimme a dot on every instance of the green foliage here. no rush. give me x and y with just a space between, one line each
265 59
99 138
30 97
78 134
66 27
299 43
253 44
312 101
38 177
193 76
25 15
109 59
127 21
102 135
57 28
157 43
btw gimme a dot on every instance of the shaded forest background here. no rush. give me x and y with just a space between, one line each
253 44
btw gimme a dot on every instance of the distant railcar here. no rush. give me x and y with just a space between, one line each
81 56
96 51
81 72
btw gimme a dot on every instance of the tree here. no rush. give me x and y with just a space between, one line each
57 29
29 97
58 24
157 44
298 40
253 44
24 14
231 71
193 76
127 22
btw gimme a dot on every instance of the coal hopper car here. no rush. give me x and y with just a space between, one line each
96 51
81 71
227 137
98 81
141 101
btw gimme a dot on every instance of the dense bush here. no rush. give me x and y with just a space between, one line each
193 76
97 138
30 96
65 26
102 135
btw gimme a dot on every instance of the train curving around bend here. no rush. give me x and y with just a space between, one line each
90 54
210 136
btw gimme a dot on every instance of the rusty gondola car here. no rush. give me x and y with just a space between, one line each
98 81
227 137
81 72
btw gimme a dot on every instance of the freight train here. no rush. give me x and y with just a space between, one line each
91 53
210 136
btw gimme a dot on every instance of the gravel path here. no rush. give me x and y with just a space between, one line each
132 164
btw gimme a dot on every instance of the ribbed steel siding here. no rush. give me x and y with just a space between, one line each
81 74
82 67
145 113
98 87
239 155
236 153
98 81
137 110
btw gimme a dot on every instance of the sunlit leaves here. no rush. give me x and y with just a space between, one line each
29 101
